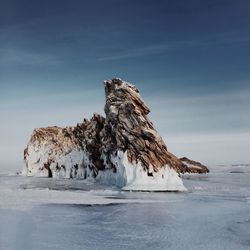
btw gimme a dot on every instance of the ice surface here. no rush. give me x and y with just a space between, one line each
23 193
42 213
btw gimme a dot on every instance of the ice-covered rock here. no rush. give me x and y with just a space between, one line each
122 149
71 152
194 166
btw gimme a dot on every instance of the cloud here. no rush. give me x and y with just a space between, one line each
137 52
154 49
22 114
14 56
212 148
228 111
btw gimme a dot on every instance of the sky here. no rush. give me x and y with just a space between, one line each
190 60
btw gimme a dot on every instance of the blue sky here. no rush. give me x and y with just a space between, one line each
190 59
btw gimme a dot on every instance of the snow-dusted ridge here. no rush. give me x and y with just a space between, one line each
123 149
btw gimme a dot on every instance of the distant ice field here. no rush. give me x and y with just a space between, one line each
43 213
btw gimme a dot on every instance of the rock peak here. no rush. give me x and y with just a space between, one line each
122 149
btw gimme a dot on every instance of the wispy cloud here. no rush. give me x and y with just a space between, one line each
25 57
225 111
154 49
137 52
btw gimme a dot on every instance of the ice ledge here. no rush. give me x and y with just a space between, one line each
132 177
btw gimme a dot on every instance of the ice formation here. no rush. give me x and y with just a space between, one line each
122 149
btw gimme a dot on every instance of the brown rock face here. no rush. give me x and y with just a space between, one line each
98 145
127 128
194 166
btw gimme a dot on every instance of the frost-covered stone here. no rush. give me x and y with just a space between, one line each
194 166
132 176
71 152
123 149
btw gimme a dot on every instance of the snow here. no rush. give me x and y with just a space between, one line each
133 177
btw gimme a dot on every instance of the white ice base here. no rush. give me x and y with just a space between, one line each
132 177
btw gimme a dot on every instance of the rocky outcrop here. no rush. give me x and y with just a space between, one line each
194 166
122 149
65 152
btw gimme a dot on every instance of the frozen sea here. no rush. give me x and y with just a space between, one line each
42 213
